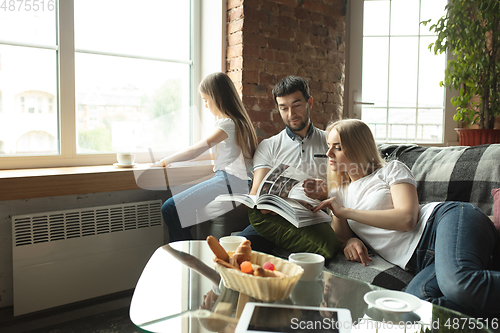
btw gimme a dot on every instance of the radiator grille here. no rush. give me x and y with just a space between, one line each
58 225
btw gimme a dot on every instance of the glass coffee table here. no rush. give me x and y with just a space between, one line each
179 291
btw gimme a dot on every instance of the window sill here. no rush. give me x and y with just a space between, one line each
48 182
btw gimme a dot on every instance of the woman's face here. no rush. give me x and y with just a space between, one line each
209 104
336 158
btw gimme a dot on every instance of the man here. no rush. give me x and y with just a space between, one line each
295 146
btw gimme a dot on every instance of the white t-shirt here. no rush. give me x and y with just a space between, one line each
288 148
227 154
373 192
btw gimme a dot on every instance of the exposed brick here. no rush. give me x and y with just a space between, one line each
254 65
285 33
233 4
234 63
301 13
287 37
268 79
267 104
234 51
315 6
234 26
235 13
252 51
282 45
266 54
253 3
254 89
271 6
253 27
235 76
250 76
259 115
284 21
287 11
287 2
283 57
253 14
255 39
236 38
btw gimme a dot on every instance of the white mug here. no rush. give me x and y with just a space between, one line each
125 158
312 264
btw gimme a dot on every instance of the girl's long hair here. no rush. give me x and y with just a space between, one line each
223 93
359 147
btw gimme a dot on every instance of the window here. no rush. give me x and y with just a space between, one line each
123 81
397 91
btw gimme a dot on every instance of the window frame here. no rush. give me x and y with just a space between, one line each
354 55
65 102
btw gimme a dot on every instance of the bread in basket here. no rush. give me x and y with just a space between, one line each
262 288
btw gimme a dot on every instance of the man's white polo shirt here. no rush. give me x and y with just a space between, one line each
288 148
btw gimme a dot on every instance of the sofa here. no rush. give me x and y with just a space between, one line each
460 173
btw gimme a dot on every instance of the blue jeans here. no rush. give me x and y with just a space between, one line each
451 261
179 212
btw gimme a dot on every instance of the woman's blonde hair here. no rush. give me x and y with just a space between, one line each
223 93
358 146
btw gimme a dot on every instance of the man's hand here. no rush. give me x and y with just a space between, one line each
355 250
315 189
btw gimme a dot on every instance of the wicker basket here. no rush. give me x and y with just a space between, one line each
262 288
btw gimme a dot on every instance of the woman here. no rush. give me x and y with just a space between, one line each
447 245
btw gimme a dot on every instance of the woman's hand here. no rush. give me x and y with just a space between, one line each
315 189
355 250
334 205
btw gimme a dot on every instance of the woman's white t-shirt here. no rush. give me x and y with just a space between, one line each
373 192
227 154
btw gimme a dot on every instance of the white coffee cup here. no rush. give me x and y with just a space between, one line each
312 264
125 158
231 243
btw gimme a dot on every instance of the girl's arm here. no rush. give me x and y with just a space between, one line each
195 150
403 217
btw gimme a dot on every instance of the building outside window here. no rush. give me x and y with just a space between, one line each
123 81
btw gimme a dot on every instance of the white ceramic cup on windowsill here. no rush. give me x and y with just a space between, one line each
125 158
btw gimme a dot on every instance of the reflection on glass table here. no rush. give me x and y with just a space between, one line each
179 291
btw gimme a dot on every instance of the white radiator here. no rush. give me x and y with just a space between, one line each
66 256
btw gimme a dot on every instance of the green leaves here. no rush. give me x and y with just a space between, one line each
471 32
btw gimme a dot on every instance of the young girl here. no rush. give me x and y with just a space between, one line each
233 144
447 245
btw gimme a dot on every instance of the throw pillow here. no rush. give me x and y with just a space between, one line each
319 238
496 207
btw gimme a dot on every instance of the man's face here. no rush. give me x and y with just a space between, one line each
295 110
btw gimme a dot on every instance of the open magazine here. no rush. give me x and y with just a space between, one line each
281 191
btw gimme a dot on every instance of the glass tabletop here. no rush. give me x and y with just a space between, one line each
179 291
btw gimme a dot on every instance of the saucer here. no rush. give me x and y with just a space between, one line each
393 301
118 165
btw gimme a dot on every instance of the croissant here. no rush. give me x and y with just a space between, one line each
243 252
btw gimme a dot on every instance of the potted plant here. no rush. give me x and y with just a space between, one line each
471 31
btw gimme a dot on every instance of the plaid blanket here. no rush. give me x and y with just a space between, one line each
442 174
465 174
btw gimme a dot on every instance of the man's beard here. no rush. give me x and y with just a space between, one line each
303 124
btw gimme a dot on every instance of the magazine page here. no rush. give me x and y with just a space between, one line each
286 182
246 199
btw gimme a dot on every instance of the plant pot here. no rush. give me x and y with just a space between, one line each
476 137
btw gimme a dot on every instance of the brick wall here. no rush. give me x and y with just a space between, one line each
270 39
